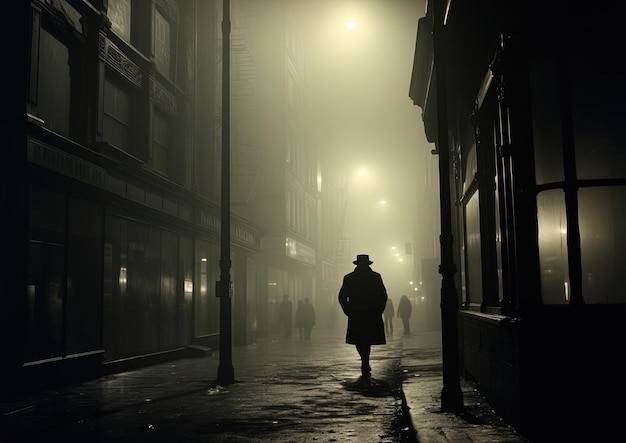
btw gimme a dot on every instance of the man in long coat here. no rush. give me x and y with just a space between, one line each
363 297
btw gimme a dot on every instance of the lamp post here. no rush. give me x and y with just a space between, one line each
451 395
225 371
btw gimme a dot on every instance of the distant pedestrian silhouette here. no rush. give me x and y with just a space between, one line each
404 312
388 315
299 320
363 297
308 318
285 316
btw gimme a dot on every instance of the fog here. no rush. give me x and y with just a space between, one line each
360 80
362 118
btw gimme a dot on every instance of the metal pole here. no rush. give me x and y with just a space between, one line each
225 371
451 394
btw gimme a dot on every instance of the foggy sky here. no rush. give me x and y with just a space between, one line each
358 98
359 83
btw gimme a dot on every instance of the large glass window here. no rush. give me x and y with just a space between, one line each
84 277
141 307
45 290
603 243
598 121
251 295
169 283
206 302
185 299
472 250
546 119
552 226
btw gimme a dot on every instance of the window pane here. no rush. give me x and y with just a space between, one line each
53 90
161 43
546 121
44 292
115 102
139 304
251 295
119 13
185 307
84 277
603 243
552 224
474 265
206 303
116 116
169 309
599 116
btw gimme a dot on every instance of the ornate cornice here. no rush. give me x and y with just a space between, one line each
162 97
116 59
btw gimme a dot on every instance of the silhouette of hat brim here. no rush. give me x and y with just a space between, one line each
362 260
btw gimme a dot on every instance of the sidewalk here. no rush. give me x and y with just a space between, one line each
286 390
421 363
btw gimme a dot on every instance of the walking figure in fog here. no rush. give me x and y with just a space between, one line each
285 315
404 312
363 297
308 318
299 320
388 315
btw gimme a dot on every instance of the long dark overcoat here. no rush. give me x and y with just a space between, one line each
363 297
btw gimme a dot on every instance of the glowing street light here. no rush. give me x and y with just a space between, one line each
352 25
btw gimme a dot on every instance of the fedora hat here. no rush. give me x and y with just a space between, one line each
362 259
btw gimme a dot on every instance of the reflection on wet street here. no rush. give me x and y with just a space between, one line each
286 390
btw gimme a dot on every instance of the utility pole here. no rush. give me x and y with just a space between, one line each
225 371
451 394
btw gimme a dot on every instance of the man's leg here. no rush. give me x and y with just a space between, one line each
364 351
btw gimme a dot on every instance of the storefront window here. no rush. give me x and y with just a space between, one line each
169 284
46 275
546 121
552 224
84 277
603 243
472 250
206 303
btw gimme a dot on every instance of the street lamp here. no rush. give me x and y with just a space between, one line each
451 394
225 371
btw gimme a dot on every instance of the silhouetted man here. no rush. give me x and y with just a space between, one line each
404 312
363 297
308 318
285 315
